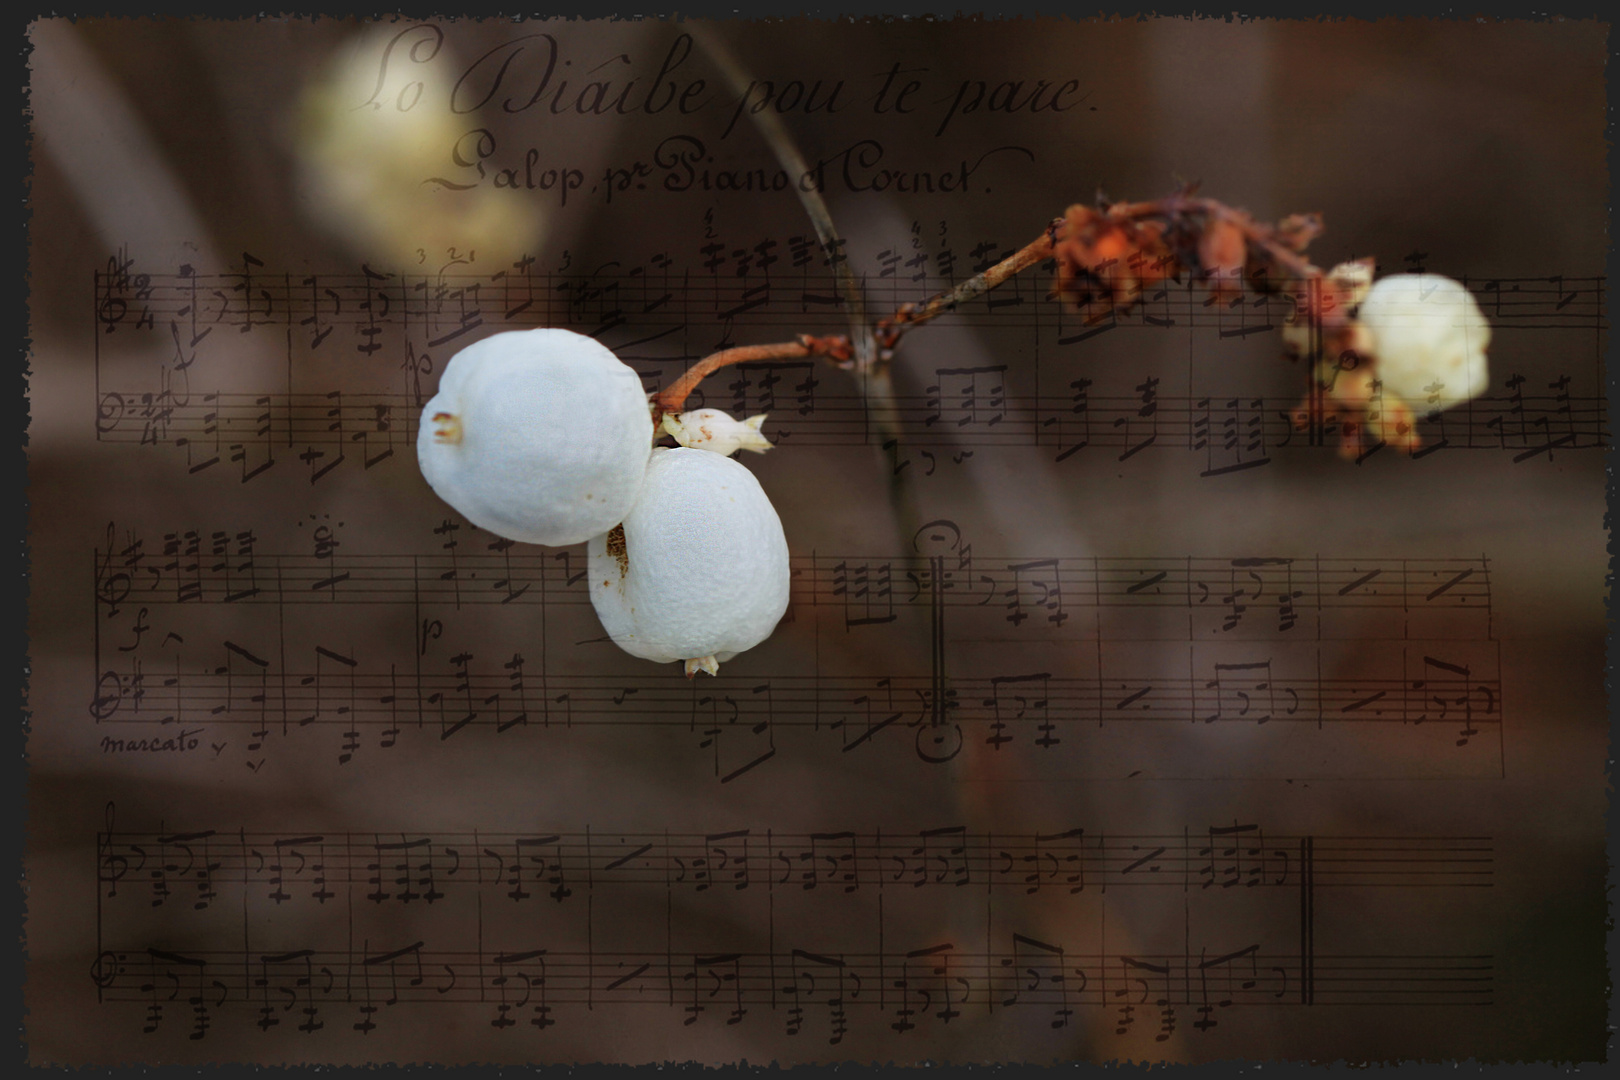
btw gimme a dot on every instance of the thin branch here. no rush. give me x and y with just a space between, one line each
792 162
670 400
1174 210
889 330
842 349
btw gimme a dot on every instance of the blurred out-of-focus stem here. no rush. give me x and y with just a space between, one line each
792 162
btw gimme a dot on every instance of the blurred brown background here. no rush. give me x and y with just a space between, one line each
1468 148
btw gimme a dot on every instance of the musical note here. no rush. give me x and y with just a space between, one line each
411 955
1034 961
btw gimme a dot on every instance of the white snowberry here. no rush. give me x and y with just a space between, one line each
537 435
1428 338
698 571
711 429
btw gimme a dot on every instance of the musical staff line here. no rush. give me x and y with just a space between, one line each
1263 632
852 706
191 405
191 870
655 296
198 567
222 428
576 977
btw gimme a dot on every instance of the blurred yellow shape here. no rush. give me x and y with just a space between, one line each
373 129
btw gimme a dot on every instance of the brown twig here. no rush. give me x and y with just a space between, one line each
839 347
834 346
889 330
1174 211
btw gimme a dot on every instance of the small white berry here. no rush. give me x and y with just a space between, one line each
698 571
537 435
711 429
1428 339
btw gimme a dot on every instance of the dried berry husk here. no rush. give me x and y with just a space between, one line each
1296 231
1223 250
1262 273
1354 402
1101 257
1328 301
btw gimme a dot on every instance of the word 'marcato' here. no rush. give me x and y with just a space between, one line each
532 72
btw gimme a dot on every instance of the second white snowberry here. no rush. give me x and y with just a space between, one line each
698 572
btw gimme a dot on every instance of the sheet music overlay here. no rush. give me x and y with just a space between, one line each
1115 714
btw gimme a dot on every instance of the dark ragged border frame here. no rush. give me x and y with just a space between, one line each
15 533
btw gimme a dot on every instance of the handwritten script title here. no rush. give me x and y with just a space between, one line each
534 74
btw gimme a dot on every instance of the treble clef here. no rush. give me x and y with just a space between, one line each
110 587
111 307
111 310
110 867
